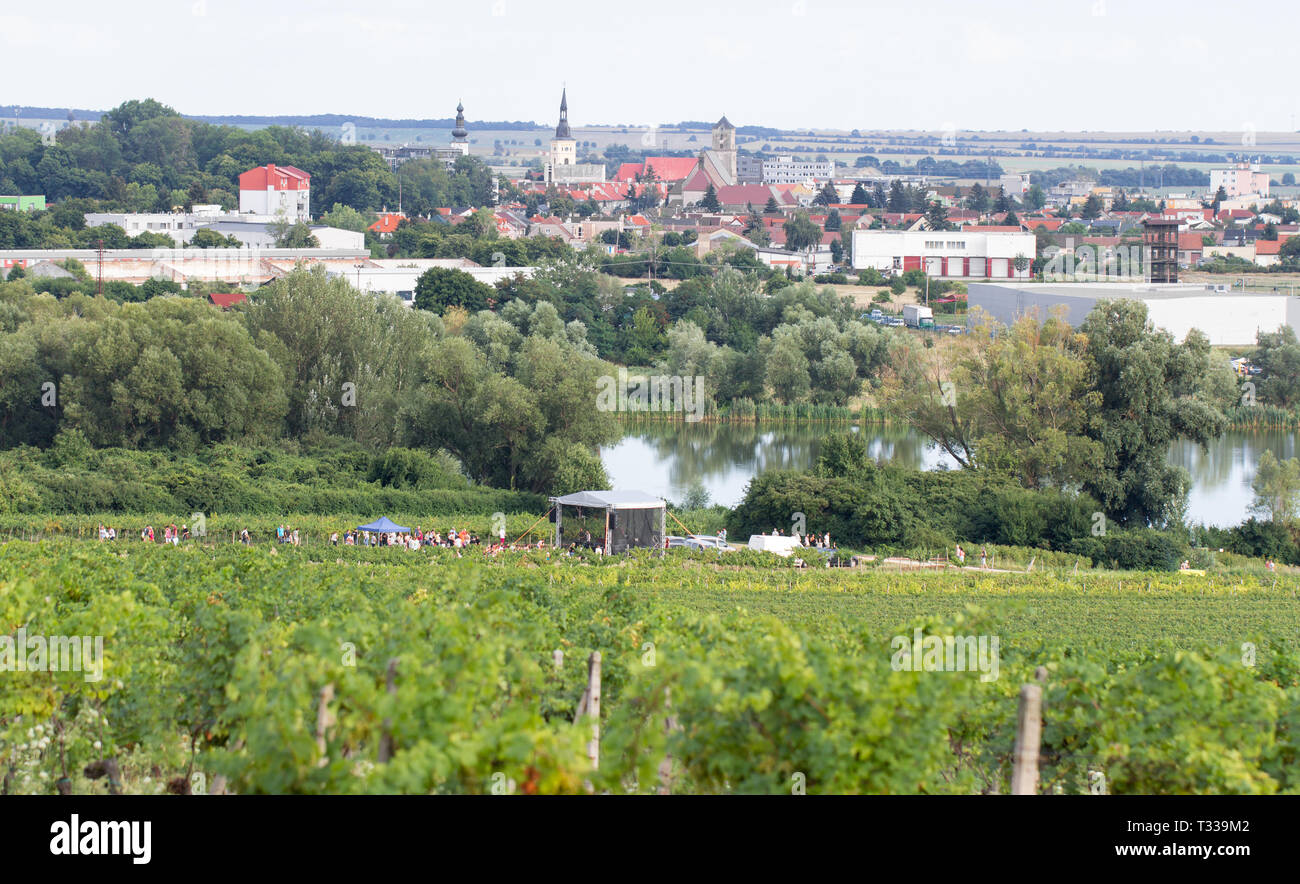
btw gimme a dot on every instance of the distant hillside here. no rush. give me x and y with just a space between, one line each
307 121
9 111
333 121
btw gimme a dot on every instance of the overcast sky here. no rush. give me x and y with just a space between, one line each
925 64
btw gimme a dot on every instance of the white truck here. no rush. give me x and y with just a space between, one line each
916 316
779 544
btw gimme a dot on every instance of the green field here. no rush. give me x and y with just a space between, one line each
344 670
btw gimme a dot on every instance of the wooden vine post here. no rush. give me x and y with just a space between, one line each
590 705
323 720
1029 732
666 766
386 738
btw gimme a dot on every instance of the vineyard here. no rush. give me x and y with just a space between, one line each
347 670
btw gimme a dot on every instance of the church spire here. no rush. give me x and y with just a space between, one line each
562 130
460 133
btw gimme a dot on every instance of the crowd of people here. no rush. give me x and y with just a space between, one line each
452 539
170 533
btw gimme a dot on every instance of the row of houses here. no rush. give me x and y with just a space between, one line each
248 267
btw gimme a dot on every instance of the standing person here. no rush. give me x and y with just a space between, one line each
279 534
984 557
961 556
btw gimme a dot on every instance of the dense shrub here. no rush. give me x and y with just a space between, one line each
234 479
864 505
1254 538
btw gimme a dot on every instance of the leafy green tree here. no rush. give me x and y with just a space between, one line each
833 221
1151 394
439 288
1278 358
1017 402
292 234
1035 198
977 199
828 195
771 208
937 216
898 199
1277 489
787 370
347 218
710 200
801 232
860 197
325 334
756 231
1219 196
205 238
1091 208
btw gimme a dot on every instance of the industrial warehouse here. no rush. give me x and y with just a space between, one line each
1228 319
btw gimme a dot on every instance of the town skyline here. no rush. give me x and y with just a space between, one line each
1004 66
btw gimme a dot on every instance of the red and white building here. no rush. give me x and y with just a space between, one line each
957 254
272 189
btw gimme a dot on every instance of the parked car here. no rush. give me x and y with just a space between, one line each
698 541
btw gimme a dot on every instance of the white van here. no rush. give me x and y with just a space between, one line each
778 544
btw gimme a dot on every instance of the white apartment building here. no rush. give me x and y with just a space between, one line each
1243 179
788 170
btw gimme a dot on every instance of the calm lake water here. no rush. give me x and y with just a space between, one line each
668 459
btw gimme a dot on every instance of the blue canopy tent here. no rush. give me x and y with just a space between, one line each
385 526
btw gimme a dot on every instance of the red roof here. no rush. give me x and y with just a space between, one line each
671 168
1190 242
1050 224
273 177
629 171
387 222
699 181
1269 246
227 299
756 195
613 191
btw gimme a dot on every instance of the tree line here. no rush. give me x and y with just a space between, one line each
144 156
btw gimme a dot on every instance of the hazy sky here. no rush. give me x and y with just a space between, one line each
926 64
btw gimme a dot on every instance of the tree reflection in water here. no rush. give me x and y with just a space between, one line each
668 458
